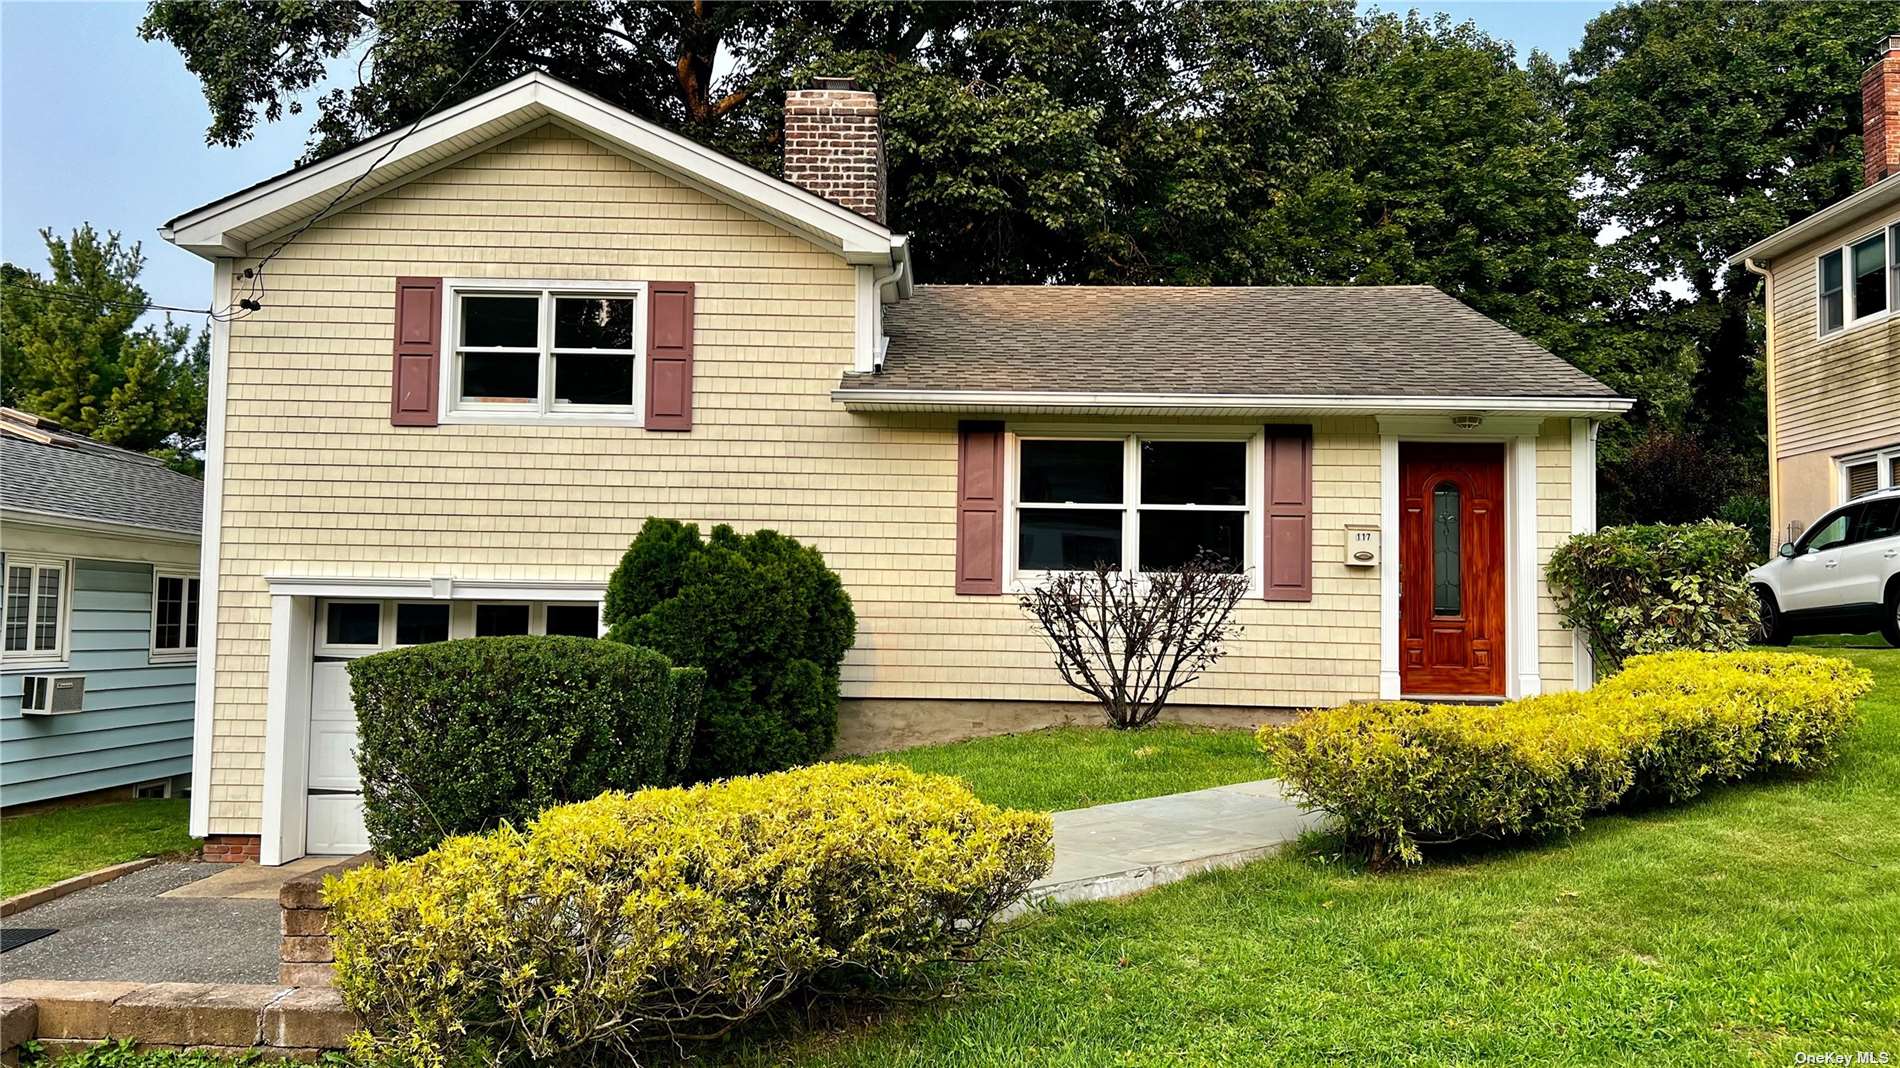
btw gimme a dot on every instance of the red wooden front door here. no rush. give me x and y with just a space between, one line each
1451 569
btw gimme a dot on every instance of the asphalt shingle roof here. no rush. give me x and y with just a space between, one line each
82 479
1410 341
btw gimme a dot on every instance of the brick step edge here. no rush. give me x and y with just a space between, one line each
22 902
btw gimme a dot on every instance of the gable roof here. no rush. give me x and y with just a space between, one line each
48 472
233 225
1298 348
1879 196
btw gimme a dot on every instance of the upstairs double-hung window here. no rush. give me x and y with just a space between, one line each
1136 503
1859 280
545 352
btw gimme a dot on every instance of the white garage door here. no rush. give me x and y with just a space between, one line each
336 795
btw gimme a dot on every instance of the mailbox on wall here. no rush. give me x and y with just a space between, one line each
1362 546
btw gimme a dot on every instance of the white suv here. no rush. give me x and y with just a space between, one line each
1841 576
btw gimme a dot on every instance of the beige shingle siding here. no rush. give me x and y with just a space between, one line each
318 482
1837 392
1556 653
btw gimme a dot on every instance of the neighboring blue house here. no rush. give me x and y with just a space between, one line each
98 617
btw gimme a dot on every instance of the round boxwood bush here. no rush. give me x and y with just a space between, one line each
455 737
765 618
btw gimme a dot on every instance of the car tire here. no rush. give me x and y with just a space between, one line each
1890 618
1773 629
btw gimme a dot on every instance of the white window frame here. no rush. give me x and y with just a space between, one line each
62 650
1889 237
1253 437
1883 460
545 408
183 654
461 620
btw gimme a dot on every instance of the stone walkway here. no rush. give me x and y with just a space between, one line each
1112 850
219 923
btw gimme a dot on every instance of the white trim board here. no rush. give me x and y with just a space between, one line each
1205 404
438 588
204 717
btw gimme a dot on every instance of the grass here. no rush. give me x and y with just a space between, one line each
1074 767
1750 925
44 847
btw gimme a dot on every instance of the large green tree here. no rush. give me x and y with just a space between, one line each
1704 127
74 352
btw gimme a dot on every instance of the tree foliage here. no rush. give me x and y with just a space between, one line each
1182 142
74 352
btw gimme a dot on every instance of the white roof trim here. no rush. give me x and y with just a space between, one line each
427 589
911 400
59 520
209 231
1873 198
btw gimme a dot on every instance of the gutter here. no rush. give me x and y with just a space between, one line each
1014 400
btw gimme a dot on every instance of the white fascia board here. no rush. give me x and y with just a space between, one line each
29 516
207 231
871 400
1873 198
425 589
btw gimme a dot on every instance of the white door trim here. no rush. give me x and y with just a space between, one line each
1583 520
1524 674
287 728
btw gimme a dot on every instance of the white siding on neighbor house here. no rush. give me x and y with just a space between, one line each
317 482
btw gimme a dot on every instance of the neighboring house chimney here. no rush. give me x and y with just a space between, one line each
1880 113
834 146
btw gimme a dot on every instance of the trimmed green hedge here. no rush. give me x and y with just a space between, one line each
455 737
610 926
763 615
1654 589
1400 775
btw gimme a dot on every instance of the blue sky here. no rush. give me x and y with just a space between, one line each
97 125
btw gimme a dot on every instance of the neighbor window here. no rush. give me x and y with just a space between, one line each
33 615
545 351
1133 502
1858 280
1870 471
174 615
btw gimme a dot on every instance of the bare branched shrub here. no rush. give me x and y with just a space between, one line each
1131 641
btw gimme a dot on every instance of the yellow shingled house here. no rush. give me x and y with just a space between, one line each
541 320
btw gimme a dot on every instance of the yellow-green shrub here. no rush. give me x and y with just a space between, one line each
670 913
1399 775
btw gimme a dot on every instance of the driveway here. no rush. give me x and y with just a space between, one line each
172 922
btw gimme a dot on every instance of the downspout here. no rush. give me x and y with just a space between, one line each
898 274
1768 380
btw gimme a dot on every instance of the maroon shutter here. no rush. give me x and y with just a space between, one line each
670 356
415 375
979 507
1288 563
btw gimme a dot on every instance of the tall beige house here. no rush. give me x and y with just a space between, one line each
1833 293
466 362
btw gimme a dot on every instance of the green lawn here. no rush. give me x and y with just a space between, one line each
56 844
1074 767
1760 921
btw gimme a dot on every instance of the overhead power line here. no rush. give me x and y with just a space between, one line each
254 301
81 298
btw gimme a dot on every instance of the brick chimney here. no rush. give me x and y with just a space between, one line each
1880 113
834 146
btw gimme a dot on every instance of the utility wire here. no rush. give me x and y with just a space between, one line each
81 298
253 302
245 306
